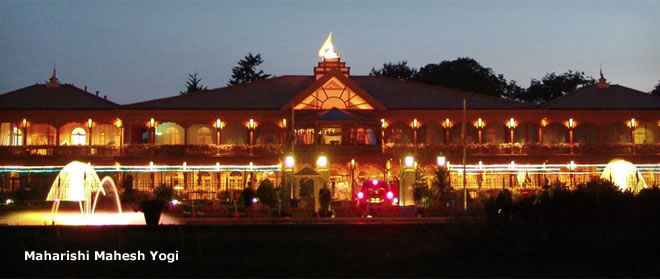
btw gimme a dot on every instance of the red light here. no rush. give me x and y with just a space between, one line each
360 195
390 195
374 182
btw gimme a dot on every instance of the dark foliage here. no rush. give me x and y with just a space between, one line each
193 84
597 202
246 197
266 193
398 70
656 90
325 196
552 86
247 70
465 73
306 188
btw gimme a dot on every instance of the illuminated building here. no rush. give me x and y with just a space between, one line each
371 120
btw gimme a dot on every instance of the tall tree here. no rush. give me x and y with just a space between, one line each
554 85
398 70
466 74
247 71
193 84
656 90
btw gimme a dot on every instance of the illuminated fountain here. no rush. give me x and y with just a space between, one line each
624 175
79 182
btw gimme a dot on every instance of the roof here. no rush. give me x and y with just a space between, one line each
400 94
307 171
275 93
612 97
272 93
64 96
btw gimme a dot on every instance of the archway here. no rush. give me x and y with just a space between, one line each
267 133
431 134
586 133
399 133
169 133
200 134
78 136
555 133
234 133
617 133
646 133
471 134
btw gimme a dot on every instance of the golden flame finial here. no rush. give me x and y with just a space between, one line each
327 50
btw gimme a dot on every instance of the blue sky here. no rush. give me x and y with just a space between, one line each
138 50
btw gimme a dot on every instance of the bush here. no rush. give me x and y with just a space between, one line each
325 197
246 197
266 193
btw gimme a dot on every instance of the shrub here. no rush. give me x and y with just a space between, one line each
325 196
266 193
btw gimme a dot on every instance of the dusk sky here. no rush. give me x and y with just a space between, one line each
135 51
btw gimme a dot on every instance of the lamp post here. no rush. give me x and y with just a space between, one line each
289 164
120 125
415 126
571 125
511 124
152 130
383 126
283 134
480 125
571 167
24 126
251 126
352 165
407 179
632 124
90 124
446 125
218 132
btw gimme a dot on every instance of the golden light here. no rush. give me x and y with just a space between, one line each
152 123
625 175
544 122
151 166
571 123
24 123
511 123
512 166
383 123
217 166
481 165
388 165
352 163
571 165
327 50
632 123
322 162
283 122
441 160
118 123
415 123
185 166
479 124
218 123
251 124
409 161
90 123
289 162
447 123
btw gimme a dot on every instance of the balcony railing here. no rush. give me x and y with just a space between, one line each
147 150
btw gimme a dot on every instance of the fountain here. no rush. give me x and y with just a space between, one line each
78 182
624 175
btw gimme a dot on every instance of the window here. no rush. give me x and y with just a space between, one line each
78 136
331 135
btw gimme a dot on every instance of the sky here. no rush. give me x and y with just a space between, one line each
133 51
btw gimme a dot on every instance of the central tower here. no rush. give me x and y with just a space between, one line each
331 60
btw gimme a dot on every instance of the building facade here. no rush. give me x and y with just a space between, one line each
212 143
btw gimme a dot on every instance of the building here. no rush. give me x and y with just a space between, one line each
208 143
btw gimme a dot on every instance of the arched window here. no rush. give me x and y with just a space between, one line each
17 139
169 133
203 136
78 136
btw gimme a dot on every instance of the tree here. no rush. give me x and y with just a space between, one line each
465 73
398 70
247 71
553 85
193 84
656 90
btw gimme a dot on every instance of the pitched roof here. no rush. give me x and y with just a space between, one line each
275 93
400 94
307 171
611 97
272 93
64 96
